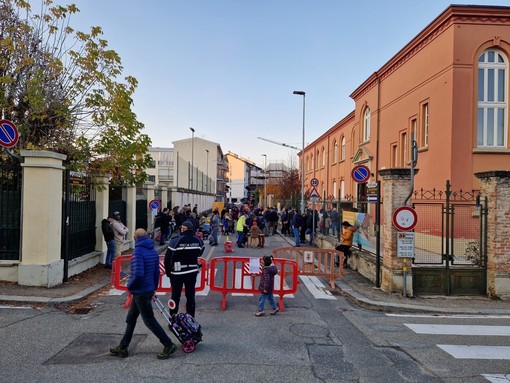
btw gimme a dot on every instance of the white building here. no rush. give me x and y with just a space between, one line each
244 177
193 171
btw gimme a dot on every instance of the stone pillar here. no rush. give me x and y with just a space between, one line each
163 192
495 185
41 261
396 187
102 188
149 188
131 214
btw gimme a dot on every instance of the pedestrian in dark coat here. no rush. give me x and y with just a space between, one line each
181 266
142 284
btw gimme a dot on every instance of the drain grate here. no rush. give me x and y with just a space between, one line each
80 310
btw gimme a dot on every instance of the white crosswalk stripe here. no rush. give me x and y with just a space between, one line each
474 330
316 287
313 284
470 351
462 351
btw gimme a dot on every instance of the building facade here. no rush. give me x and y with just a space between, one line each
244 178
193 171
447 88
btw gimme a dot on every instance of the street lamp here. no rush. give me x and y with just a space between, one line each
207 172
192 152
265 180
301 93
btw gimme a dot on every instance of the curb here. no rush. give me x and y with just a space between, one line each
47 300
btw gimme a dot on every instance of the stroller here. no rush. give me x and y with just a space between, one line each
184 326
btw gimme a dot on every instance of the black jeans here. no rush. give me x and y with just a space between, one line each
142 305
188 281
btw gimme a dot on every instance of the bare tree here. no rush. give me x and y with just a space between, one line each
63 89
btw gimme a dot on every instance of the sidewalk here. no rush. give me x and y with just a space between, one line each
352 285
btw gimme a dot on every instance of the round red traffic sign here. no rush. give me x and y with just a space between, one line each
314 182
360 174
154 204
8 134
405 218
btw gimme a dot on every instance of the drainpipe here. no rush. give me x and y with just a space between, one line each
378 205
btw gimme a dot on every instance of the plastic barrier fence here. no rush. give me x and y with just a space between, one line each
242 275
314 261
122 264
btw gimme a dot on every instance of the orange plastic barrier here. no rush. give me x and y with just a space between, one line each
314 261
122 263
232 275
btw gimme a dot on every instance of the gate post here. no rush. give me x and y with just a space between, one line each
495 185
396 187
102 183
149 189
41 263
131 214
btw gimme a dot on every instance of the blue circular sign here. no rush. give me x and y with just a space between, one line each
361 173
8 134
154 204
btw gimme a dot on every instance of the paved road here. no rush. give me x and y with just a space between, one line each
318 338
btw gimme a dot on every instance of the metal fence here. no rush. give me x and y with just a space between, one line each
141 214
10 210
79 216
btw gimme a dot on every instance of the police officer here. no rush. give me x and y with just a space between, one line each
181 266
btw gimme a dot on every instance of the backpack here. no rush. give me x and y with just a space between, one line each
186 324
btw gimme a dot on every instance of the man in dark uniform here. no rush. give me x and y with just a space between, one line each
181 266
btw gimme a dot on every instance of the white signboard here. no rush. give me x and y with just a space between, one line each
308 257
405 244
254 265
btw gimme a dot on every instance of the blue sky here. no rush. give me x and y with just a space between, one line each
228 68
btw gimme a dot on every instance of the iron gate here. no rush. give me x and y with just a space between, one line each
450 243
79 216
10 209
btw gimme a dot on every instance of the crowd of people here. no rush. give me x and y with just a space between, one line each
178 228
247 224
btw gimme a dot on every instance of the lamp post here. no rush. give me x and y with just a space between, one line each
265 180
192 153
207 172
301 93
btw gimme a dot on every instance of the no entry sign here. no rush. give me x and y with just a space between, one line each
8 134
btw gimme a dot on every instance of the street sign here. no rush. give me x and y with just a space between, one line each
154 204
405 244
314 182
372 192
8 134
360 174
314 193
405 218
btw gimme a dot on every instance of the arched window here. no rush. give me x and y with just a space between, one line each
317 159
335 152
342 155
366 124
492 121
323 157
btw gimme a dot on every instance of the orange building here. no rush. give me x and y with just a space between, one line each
448 88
